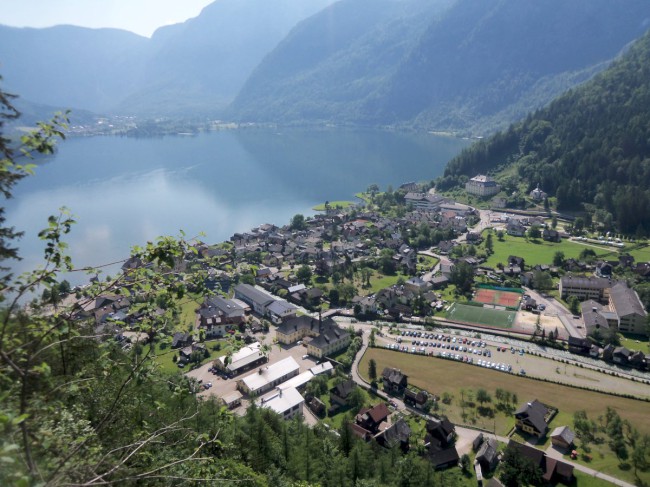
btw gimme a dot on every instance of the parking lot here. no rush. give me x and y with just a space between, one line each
222 386
515 357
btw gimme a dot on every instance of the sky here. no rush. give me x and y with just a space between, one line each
140 16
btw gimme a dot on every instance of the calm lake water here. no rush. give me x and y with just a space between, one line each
125 191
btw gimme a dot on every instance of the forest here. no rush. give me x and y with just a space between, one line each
589 148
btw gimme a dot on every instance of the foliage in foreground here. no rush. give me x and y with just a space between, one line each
78 408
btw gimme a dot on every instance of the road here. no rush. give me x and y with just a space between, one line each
553 453
466 436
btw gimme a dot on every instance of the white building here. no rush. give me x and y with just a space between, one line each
482 185
244 359
268 377
286 402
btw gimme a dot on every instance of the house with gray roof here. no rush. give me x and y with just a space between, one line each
625 302
531 418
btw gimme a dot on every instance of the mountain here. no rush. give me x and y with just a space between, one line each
193 67
590 147
200 65
70 66
470 67
333 62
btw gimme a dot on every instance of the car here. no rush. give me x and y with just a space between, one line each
522 372
541 307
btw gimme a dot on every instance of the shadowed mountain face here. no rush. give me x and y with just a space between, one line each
193 67
460 65
476 63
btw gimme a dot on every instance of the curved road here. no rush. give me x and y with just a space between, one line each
466 434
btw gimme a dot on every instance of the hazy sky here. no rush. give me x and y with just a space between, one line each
139 16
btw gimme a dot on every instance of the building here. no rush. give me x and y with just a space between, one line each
537 194
340 393
394 381
244 359
325 336
563 437
625 302
553 470
624 310
585 288
488 454
287 402
424 201
481 185
232 400
268 377
255 298
439 445
397 434
532 418
280 310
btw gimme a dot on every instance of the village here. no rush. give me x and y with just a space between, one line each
292 313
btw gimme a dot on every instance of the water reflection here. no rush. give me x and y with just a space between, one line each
124 192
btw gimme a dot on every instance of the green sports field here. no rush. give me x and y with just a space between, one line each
481 316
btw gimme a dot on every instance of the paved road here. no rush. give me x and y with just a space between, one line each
467 435
553 453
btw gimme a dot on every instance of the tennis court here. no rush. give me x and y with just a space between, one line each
478 315
498 297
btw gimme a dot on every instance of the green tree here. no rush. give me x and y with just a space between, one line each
462 276
534 232
304 274
372 370
574 304
558 259
516 470
489 245
298 222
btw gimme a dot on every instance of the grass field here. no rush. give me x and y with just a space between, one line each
439 376
642 254
481 316
334 204
534 251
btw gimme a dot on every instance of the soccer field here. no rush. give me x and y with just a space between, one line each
481 316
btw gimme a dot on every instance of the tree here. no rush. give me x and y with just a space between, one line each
482 396
500 235
371 339
558 259
304 274
372 370
372 190
489 245
534 232
574 304
462 276
298 222
465 463
517 470
386 262
542 280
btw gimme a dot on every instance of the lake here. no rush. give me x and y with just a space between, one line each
127 191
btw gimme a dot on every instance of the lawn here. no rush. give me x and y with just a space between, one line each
481 316
440 375
534 251
334 204
583 479
641 254
164 356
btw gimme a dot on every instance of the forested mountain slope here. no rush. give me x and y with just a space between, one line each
468 67
591 145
